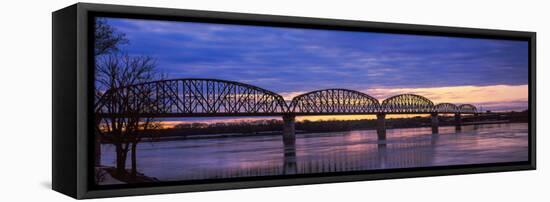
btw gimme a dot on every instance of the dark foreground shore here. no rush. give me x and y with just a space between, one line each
106 175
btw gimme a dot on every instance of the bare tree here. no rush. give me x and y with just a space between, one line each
115 70
107 40
113 73
147 129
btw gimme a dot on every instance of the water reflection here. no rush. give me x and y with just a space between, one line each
290 159
328 152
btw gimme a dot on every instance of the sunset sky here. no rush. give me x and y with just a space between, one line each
491 74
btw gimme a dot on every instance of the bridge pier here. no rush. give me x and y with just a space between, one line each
381 126
289 129
458 122
435 123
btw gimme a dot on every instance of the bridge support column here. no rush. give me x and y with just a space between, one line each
458 122
381 126
435 123
289 131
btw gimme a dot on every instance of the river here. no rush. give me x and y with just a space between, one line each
213 158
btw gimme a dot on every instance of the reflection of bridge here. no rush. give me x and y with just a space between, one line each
211 98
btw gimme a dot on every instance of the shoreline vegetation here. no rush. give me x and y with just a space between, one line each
269 127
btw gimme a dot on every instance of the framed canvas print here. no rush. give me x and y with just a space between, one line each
154 100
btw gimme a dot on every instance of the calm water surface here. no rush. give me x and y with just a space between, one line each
328 152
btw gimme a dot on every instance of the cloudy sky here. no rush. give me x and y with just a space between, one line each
492 74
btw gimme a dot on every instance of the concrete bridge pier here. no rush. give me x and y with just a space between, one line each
458 122
435 123
381 126
289 130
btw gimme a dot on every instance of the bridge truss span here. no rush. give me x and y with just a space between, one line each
334 101
467 108
190 97
446 108
212 97
407 103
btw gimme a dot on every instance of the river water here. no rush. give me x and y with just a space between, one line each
195 159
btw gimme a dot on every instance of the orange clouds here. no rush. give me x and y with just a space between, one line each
461 94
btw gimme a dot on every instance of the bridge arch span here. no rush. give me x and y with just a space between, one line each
446 108
467 108
334 101
407 103
190 97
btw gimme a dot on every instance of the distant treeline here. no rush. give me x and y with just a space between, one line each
274 125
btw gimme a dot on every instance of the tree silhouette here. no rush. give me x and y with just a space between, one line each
106 38
114 72
106 41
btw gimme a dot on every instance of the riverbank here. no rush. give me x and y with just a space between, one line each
277 133
106 175
270 127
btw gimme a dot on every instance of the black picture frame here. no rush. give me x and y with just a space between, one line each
73 92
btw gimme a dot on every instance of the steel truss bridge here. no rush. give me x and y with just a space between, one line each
212 97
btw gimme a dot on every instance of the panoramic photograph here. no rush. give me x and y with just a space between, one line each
192 101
